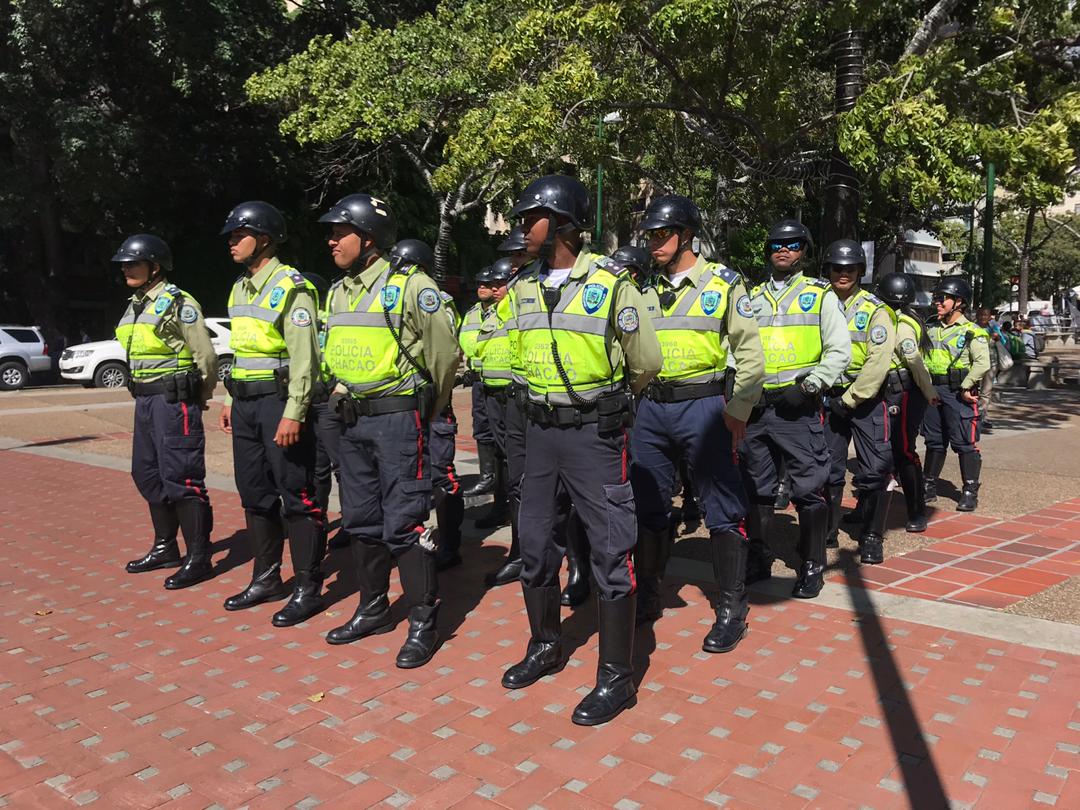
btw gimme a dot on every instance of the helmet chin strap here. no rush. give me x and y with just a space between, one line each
363 261
257 255
685 243
146 286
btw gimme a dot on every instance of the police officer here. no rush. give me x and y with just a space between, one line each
393 354
701 312
586 350
467 336
807 347
908 391
637 261
446 486
958 357
275 364
857 407
173 374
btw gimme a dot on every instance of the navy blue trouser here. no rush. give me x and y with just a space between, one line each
906 412
327 438
386 479
266 473
481 427
591 470
168 452
795 435
868 426
953 423
666 433
507 420
442 436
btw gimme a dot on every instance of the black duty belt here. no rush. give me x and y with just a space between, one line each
770 396
499 393
836 391
377 406
147 389
898 379
560 415
947 379
250 389
674 392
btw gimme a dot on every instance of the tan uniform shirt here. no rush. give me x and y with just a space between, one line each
879 353
909 353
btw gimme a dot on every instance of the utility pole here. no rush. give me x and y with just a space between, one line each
842 193
988 231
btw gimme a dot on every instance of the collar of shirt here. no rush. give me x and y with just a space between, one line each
254 283
691 274
150 294
370 276
853 300
776 287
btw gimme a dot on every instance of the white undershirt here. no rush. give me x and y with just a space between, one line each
556 276
677 278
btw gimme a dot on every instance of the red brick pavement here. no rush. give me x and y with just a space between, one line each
116 693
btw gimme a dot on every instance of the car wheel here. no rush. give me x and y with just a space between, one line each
13 376
224 366
111 375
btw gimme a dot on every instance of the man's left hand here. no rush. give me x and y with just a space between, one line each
737 429
970 397
288 433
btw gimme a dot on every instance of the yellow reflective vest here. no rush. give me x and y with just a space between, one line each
859 310
148 355
574 336
949 342
790 328
469 333
256 327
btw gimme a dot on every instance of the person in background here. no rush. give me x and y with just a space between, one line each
985 319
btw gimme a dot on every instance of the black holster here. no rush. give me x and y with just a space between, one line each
425 399
345 407
281 377
614 413
729 384
956 376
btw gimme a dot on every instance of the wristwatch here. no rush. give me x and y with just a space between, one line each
809 387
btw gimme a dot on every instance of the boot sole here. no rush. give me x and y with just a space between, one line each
378 631
417 664
552 671
599 721
917 528
181 586
965 508
730 647
264 600
157 567
293 622
806 594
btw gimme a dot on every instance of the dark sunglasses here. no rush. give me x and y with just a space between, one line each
940 299
661 234
792 246
484 284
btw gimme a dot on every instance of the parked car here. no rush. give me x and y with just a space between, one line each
22 352
103 363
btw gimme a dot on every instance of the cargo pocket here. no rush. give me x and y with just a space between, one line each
184 459
621 519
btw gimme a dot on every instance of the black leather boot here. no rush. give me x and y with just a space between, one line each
372 616
196 522
614 690
577 564
307 549
812 526
832 535
759 557
872 542
500 512
544 653
267 537
783 494
164 552
419 581
485 457
449 513
858 515
729 566
970 470
650 562
932 466
911 479
509 571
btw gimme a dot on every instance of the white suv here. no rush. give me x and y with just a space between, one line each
103 364
22 352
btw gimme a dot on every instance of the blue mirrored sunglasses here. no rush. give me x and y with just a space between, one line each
792 246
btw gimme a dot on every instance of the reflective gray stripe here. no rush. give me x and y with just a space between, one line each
585 324
147 317
562 398
497 333
789 320
693 323
410 383
786 376
363 319
268 287
254 312
858 337
566 297
146 363
259 363
492 374
471 327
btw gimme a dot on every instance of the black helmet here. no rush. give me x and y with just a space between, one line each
514 241
257 216
788 230
145 247
845 251
672 211
955 286
896 290
414 251
365 213
501 272
559 194
633 256
322 286
483 276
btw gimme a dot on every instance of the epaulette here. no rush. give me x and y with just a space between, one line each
609 264
818 282
873 299
172 289
446 297
298 279
725 274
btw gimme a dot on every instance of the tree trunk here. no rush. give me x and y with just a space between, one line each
48 280
1025 262
924 37
442 243
841 215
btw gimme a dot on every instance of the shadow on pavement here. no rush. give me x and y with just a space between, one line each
238 552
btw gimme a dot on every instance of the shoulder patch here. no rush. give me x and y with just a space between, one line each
908 346
628 319
301 317
446 297
725 274
878 335
744 307
276 295
429 300
188 314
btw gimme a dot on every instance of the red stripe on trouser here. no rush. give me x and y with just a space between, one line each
200 492
885 410
455 484
187 431
909 451
974 422
313 508
419 446
626 442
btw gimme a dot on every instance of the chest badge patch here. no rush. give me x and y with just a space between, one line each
710 300
961 341
276 295
593 297
390 295
861 320
807 301
161 305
